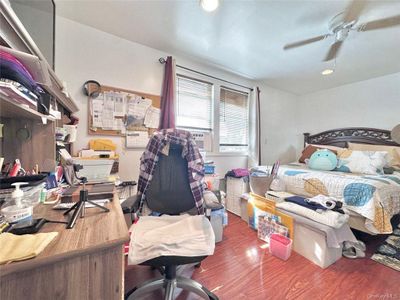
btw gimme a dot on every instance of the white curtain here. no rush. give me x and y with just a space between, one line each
254 127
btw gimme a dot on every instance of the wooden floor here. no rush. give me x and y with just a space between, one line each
241 269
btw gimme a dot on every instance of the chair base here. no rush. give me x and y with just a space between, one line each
170 285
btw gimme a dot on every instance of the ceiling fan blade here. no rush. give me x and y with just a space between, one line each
334 50
354 10
381 23
305 42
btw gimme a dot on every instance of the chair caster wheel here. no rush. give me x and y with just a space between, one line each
212 296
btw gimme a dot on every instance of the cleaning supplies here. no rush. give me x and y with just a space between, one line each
17 194
20 206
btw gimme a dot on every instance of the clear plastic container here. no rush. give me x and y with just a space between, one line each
16 210
280 246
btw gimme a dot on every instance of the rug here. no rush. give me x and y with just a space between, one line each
388 253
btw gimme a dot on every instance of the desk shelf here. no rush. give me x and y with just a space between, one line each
11 109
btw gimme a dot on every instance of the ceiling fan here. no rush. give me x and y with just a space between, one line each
342 24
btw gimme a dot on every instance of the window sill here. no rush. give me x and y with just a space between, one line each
225 154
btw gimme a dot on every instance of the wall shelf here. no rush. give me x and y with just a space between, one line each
11 109
14 35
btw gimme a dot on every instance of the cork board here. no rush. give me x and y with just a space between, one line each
94 129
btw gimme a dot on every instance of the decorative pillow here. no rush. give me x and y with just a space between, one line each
364 162
394 152
323 159
310 149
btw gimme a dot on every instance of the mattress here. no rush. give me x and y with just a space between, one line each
375 197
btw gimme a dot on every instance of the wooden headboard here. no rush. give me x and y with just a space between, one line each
341 137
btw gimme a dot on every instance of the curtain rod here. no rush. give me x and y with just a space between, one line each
163 61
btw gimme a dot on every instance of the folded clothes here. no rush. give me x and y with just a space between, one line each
182 235
327 217
328 202
302 202
21 247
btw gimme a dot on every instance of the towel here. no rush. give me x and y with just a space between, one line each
20 247
182 235
327 217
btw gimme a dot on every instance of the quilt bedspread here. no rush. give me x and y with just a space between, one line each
375 197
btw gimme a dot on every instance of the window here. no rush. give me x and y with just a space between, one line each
204 105
194 104
233 120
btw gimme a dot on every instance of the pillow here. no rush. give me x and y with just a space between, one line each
329 147
364 162
310 149
323 159
394 152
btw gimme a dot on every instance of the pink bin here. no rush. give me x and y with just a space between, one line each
280 246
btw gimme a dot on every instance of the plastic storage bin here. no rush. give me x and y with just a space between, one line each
95 169
260 184
209 169
280 246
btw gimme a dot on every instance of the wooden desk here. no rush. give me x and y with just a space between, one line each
85 262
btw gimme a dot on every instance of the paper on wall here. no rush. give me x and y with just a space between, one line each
137 139
97 111
119 102
119 125
138 106
108 111
152 118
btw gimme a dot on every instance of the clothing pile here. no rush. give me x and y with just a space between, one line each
15 79
321 209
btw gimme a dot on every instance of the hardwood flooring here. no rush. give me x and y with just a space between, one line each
241 269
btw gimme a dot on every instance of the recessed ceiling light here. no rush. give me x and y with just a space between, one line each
327 72
209 5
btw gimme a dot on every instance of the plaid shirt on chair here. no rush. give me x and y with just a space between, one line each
190 151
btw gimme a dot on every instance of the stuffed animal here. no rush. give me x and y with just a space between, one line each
323 159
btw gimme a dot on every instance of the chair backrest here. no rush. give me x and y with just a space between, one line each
169 191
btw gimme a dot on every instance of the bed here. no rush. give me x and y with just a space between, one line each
370 200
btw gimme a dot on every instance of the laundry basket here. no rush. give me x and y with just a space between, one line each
280 246
260 184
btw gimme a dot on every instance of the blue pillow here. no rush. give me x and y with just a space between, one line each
323 159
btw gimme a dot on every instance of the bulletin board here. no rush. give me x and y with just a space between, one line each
117 112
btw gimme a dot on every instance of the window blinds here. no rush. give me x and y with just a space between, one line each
234 120
194 104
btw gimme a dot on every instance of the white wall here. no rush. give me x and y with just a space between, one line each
285 117
84 53
278 125
370 103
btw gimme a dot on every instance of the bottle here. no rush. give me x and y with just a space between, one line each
15 168
17 194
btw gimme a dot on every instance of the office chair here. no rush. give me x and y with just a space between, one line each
169 193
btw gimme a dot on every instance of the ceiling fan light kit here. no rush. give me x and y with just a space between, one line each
327 72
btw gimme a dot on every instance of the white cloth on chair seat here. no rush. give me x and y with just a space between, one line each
166 235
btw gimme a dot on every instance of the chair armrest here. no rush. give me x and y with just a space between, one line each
131 204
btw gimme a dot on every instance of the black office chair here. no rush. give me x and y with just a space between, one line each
169 193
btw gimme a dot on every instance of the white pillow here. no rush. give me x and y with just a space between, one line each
364 162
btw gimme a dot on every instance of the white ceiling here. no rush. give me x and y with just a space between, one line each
247 37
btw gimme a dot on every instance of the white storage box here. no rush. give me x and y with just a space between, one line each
235 187
311 243
94 169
